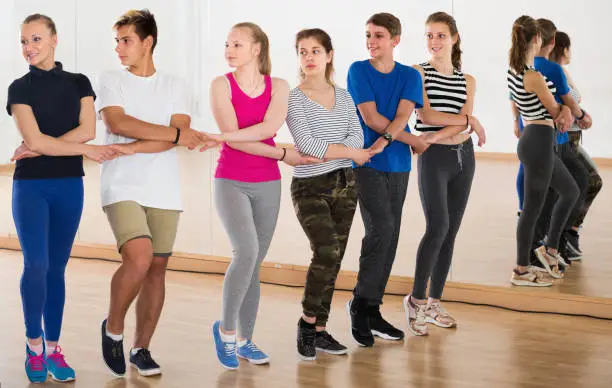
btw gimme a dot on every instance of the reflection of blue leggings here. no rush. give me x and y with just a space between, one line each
520 186
47 213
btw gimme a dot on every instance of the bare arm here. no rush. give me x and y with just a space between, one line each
380 124
516 116
181 121
273 120
534 83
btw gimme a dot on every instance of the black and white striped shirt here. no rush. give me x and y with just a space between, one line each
528 104
446 93
314 128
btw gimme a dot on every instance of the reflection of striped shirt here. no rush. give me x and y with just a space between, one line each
528 104
314 128
446 93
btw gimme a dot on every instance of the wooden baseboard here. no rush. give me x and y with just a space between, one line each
295 276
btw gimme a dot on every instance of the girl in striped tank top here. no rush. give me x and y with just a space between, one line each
532 96
445 170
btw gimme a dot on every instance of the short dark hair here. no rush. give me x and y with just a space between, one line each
44 18
143 21
388 21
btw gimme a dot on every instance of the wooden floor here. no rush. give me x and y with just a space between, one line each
491 347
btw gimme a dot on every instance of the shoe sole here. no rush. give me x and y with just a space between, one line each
146 373
442 325
306 358
117 375
255 362
334 352
215 342
386 336
348 311
527 283
407 311
544 261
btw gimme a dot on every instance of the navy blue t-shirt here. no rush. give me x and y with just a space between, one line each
55 98
365 84
554 72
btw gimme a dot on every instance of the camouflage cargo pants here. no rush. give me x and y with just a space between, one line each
325 206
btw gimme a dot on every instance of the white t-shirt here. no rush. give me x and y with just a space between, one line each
151 180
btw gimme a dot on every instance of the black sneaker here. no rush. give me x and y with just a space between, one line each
573 243
306 334
571 256
145 364
357 309
381 328
328 344
112 352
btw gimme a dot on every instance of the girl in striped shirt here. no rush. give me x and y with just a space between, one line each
323 121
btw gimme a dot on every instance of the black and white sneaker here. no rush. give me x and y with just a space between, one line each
145 364
326 343
381 328
357 309
112 353
570 256
573 243
306 334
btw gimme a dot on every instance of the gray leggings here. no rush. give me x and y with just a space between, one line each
543 169
445 181
249 212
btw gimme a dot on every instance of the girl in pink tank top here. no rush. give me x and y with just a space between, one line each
242 166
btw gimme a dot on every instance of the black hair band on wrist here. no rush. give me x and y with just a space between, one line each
583 114
284 154
178 136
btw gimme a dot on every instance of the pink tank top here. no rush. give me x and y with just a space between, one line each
240 166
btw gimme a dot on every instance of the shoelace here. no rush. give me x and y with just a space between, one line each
229 348
36 362
328 337
420 314
58 357
251 346
146 355
439 310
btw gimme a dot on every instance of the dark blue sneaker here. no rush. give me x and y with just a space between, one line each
226 351
112 353
144 363
58 368
35 366
252 354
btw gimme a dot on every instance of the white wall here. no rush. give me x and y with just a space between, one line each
192 33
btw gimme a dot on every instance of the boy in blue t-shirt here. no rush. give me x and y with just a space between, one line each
385 93
554 72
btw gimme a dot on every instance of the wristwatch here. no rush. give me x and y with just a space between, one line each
387 136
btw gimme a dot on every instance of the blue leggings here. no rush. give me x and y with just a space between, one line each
47 213
520 186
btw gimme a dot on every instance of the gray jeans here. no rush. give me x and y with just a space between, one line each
249 212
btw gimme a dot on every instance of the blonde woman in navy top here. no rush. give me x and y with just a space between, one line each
54 112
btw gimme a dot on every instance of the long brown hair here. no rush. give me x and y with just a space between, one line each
324 40
443 17
524 29
562 42
260 37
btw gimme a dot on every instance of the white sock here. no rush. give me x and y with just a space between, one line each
227 337
134 351
241 343
115 337
38 349
50 349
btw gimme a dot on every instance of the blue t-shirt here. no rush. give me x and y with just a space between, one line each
365 84
554 72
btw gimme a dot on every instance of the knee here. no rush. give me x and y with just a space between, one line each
327 255
595 184
437 229
157 269
35 268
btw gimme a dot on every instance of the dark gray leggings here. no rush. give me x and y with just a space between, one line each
445 180
543 169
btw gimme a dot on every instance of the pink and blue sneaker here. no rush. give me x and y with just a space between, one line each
35 366
57 366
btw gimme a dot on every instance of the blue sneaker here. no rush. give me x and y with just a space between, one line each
252 353
35 366
226 351
58 369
